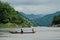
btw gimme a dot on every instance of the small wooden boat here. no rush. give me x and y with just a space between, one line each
16 32
20 32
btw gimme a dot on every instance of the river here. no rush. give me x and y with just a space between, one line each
42 33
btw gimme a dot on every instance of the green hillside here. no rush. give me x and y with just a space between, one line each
11 18
56 20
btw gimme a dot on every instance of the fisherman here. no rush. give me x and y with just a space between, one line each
21 31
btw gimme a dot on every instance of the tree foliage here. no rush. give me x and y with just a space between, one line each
9 15
56 20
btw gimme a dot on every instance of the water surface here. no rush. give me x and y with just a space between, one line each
42 33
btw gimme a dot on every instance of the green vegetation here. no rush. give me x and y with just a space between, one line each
11 18
56 21
8 25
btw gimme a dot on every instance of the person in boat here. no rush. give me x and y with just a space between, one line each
21 31
33 30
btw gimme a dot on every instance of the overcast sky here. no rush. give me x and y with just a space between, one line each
35 6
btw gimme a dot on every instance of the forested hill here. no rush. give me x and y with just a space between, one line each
56 21
11 18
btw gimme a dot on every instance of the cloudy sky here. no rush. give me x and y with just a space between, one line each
35 6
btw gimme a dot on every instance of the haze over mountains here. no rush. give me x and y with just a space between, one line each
40 19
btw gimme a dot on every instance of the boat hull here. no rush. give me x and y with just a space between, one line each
21 33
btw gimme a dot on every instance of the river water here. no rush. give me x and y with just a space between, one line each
42 33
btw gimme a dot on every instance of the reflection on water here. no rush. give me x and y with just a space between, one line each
42 33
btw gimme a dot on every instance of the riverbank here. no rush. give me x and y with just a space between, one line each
12 25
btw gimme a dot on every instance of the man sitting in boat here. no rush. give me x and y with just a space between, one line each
21 31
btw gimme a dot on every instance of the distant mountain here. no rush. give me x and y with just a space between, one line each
33 17
28 17
47 20
42 20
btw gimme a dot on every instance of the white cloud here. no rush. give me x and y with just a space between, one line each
19 8
35 6
39 9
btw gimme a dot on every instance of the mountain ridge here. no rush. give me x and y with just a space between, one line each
45 20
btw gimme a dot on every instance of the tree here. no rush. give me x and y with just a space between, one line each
56 20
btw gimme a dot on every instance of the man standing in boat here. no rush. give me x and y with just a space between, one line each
33 30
